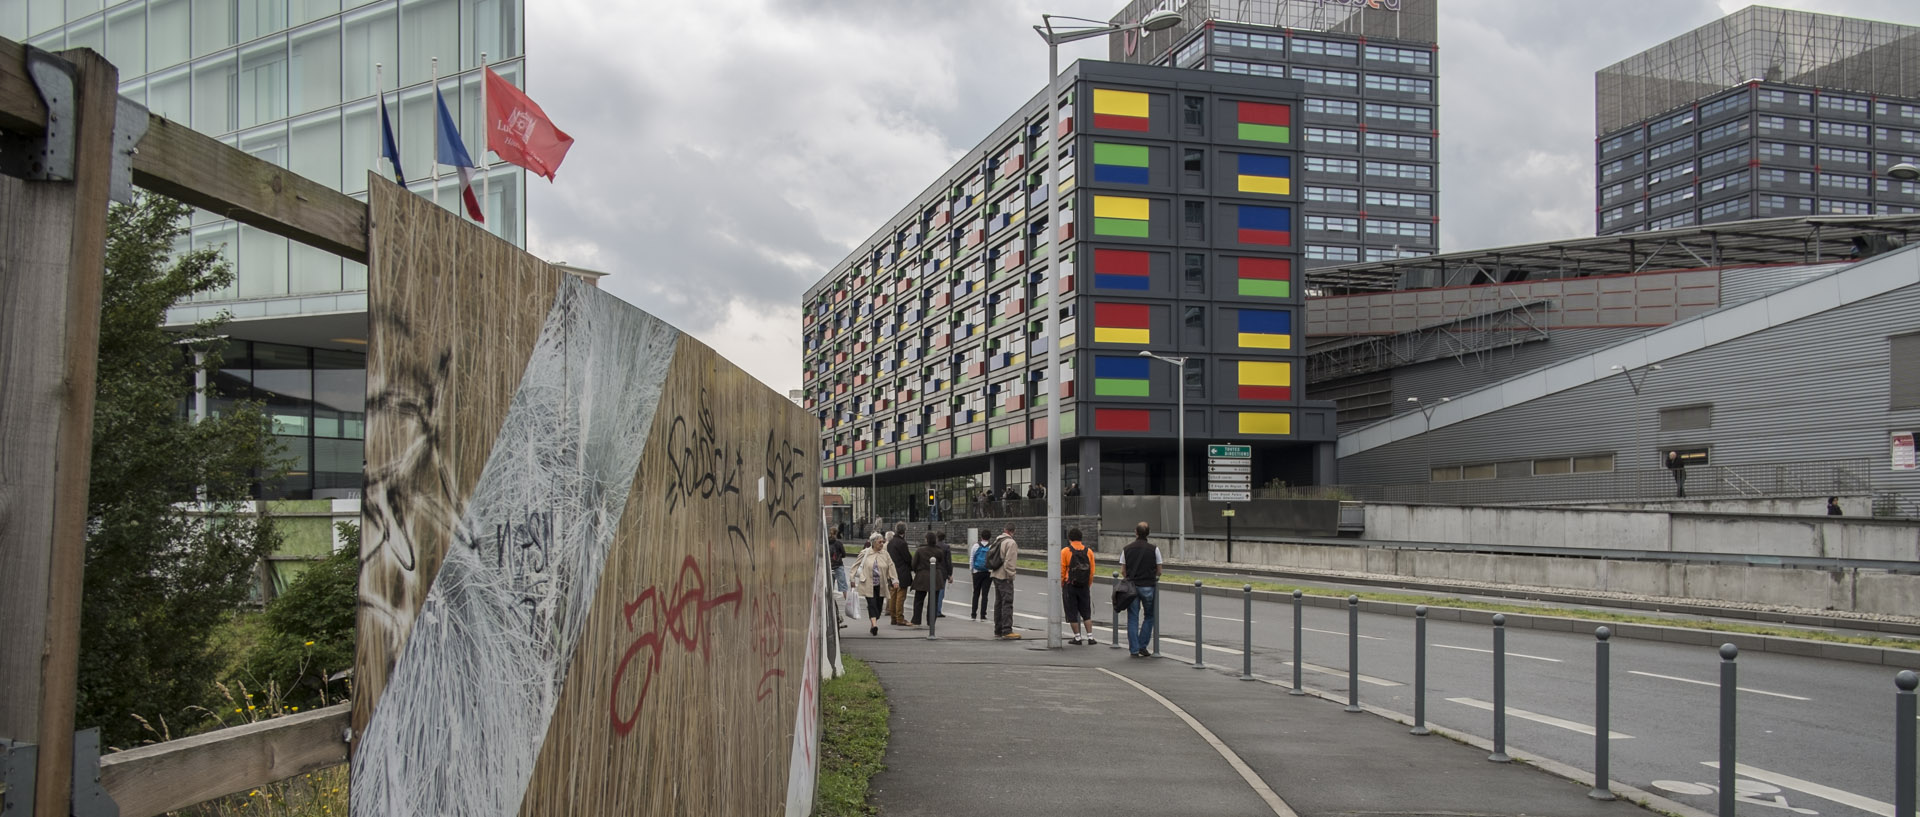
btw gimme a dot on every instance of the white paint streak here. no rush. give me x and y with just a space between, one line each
461 723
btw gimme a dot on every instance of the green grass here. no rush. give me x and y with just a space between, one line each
1601 616
853 739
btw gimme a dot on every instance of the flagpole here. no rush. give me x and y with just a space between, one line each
485 131
436 114
380 86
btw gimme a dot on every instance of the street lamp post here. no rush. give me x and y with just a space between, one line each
1180 455
1157 21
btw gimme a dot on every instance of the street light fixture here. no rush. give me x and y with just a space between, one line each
1428 409
1904 171
1157 21
1180 455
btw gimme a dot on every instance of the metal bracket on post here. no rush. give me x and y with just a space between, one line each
129 127
50 156
17 766
16 777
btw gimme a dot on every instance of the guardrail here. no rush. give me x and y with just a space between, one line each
1817 478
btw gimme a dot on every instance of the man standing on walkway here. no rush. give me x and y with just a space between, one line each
1006 551
926 577
902 554
946 578
837 563
1076 587
1141 565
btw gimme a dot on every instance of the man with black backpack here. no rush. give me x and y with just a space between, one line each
982 578
1076 587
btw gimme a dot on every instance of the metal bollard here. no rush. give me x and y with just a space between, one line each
1420 672
1116 620
1499 690
1602 715
1729 684
1903 742
933 592
1246 634
1199 639
1296 647
1353 654
1156 619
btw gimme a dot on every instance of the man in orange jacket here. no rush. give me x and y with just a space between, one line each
1076 587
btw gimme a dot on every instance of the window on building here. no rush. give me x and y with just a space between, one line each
1196 376
1668 124
1400 170
1390 198
1194 115
1324 48
1333 136
1670 197
1845 208
1323 76
1258 69
1903 371
1333 107
1333 224
1843 104
1658 152
1193 272
1737 127
1414 60
1400 141
1684 418
1677 220
1193 223
1833 155
1332 195
1408 114
1247 39
1736 102
1731 181
1193 323
1193 167
1406 85
1683 171
1736 208
1405 229
1392 253
1190 54
1835 181
1323 164
1552 466
1737 153
1328 252
1844 130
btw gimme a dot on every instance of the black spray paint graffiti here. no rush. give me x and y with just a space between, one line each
704 467
521 549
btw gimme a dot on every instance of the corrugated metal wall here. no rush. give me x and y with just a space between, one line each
1813 389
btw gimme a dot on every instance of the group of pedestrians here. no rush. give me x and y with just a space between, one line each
888 567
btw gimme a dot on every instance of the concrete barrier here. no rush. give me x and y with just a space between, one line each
1833 537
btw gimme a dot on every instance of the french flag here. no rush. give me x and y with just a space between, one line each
450 150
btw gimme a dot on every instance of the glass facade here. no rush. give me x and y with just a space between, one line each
293 82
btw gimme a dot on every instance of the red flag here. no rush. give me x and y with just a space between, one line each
520 132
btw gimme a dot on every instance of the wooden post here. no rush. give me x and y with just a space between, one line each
52 255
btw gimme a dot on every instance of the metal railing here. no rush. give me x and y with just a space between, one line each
1807 478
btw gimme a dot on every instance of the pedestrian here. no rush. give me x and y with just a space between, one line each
1076 587
902 566
926 576
837 563
1012 494
873 570
1140 563
1833 506
946 578
1036 491
1678 468
982 579
1000 563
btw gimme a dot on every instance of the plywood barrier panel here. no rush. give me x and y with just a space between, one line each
452 316
627 608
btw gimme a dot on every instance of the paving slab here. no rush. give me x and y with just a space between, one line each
986 727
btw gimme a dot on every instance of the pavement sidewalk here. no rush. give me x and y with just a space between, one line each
988 727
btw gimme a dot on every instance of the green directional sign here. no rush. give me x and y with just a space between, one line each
1230 452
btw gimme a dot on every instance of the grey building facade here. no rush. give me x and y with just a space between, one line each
1369 113
924 349
1763 113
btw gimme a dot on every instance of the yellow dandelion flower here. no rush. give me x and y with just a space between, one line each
249 707
296 709
254 793
309 643
236 709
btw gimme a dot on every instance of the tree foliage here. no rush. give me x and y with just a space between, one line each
309 640
171 549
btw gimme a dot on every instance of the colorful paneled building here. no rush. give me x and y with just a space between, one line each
924 351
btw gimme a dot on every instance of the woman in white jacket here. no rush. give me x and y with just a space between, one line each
873 575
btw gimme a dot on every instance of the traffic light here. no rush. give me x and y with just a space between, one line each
929 496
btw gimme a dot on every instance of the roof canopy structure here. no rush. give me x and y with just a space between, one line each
1794 240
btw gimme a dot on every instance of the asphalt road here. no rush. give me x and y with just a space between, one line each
1815 736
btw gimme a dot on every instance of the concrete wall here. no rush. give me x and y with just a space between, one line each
1260 517
1859 590
1860 506
1836 537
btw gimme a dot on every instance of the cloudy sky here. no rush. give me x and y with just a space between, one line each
729 152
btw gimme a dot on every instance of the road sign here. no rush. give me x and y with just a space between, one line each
1237 452
1228 512
1229 467
1229 496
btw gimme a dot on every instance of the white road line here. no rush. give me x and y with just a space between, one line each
1510 655
1365 679
1711 684
1215 618
1184 643
1273 801
1536 717
1342 635
1845 798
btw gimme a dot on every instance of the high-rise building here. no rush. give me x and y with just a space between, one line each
1762 113
295 82
925 352
1369 119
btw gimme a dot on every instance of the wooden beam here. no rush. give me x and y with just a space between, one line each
52 254
178 161
156 779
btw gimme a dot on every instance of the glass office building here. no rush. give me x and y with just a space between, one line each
1369 120
295 83
1762 113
